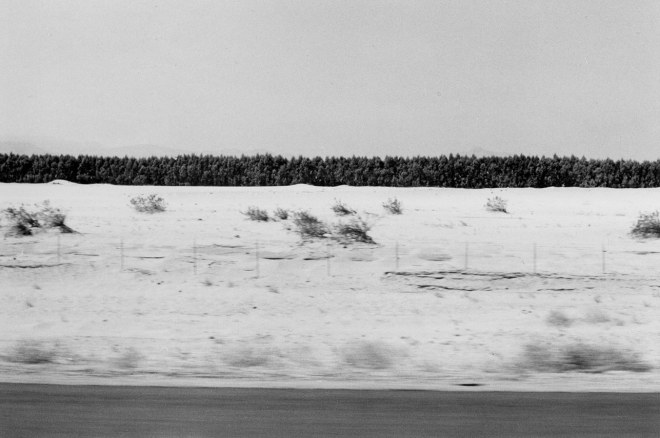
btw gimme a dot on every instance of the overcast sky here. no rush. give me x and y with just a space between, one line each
336 77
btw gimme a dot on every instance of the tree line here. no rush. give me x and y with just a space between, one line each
459 171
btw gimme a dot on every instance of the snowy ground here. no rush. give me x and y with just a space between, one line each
554 295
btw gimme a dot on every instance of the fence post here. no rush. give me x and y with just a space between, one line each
256 252
195 256
466 255
121 255
327 258
396 255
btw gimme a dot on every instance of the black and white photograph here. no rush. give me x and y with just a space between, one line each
329 218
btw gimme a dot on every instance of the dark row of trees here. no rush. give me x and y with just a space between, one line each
268 170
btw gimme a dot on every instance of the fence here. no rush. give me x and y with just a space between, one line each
271 258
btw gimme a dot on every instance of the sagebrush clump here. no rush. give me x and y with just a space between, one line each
648 225
23 222
256 214
393 206
357 230
281 214
21 215
149 203
309 226
496 204
51 217
342 209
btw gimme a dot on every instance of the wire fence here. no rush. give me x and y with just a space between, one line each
271 258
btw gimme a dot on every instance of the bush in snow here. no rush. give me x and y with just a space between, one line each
393 206
496 204
309 226
149 204
256 214
281 214
356 230
342 209
23 221
648 225
51 217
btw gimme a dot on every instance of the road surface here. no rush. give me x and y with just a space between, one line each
119 411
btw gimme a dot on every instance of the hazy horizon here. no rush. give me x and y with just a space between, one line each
327 78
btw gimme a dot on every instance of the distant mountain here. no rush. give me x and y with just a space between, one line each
19 147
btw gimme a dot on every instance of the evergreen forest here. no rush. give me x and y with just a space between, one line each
273 170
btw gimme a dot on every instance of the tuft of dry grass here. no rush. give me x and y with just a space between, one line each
22 216
357 230
151 203
281 214
393 206
647 225
23 221
18 230
309 226
496 204
256 214
51 217
342 209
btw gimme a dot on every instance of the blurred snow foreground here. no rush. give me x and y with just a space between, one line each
555 293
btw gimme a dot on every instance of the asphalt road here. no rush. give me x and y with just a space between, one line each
111 411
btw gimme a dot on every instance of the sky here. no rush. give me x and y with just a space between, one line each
334 77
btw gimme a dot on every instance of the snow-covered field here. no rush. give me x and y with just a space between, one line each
554 295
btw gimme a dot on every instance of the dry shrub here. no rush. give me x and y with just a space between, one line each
342 209
356 230
393 206
149 203
18 229
648 225
51 217
256 214
309 226
281 214
496 204
580 357
22 216
24 221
